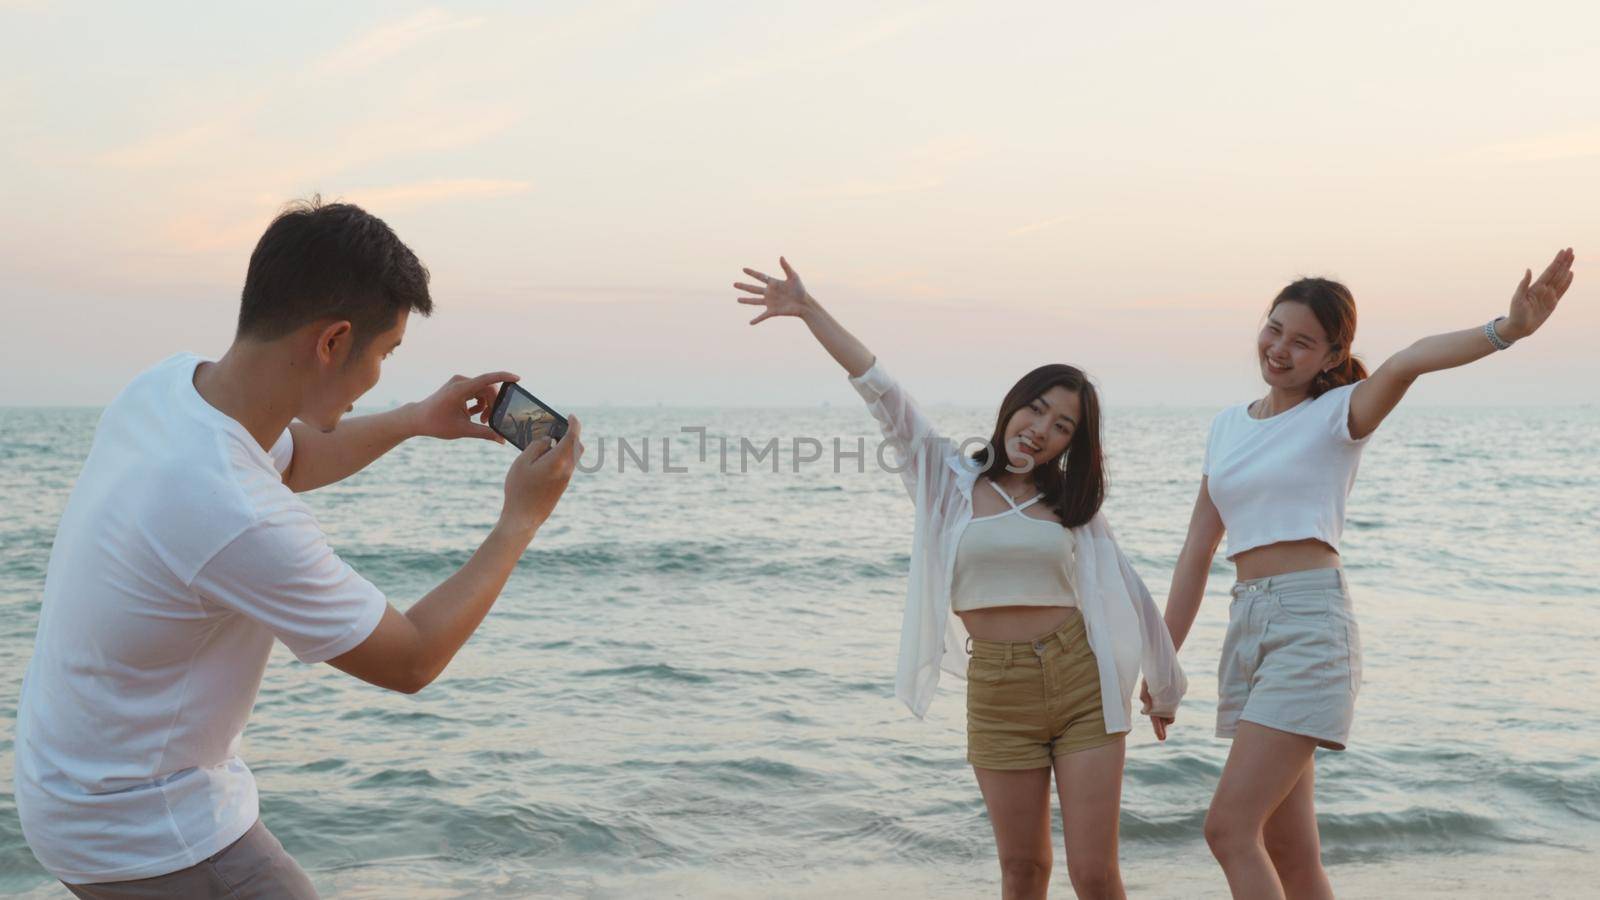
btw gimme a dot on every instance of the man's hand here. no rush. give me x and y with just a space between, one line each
448 413
537 478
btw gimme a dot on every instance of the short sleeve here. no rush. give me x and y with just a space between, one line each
1336 404
1211 438
282 451
282 573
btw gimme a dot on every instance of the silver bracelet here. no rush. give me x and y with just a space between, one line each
1494 337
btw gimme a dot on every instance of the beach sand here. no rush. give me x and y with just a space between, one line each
1189 874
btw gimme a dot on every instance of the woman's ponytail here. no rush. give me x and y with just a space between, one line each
1348 372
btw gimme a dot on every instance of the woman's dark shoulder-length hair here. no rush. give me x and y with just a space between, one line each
1074 483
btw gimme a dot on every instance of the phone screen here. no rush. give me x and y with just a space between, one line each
520 418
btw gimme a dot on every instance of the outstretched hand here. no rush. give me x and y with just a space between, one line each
449 412
780 296
1535 300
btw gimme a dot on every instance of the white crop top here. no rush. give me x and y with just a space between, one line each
1284 478
1013 559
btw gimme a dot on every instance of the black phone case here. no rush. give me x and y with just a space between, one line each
558 428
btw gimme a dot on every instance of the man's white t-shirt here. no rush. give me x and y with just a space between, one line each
180 556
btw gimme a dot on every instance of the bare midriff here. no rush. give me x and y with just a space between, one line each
1014 623
1284 557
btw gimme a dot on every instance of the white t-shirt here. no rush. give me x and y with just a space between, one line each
180 556
1285 478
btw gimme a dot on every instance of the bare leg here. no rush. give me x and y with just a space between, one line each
1263 768
1294 844
1019 810
1090 783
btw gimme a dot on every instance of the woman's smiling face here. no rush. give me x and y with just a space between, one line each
1292 347
1041 430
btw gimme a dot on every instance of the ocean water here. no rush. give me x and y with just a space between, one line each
685 690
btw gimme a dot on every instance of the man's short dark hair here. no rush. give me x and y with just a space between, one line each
325 262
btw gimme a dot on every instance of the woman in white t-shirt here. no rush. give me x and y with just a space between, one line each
1276 475
1050 627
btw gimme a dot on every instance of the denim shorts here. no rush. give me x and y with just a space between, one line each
1029 702
1291 660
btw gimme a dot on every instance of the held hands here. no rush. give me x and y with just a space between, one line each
537 479
1534 301
448 413
1159 723
781 297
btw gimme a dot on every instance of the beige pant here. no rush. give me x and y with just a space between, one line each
1031 701
255 867
1291 659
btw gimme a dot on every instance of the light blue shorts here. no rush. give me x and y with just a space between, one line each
1292 657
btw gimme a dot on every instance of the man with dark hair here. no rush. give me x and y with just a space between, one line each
184 551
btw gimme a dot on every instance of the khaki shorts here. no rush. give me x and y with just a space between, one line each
255 867
1031 701
1291 660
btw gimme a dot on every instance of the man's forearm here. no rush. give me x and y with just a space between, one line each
321 458
451 612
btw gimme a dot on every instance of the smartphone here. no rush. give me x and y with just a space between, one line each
522 418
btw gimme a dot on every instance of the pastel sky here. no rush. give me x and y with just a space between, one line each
973 188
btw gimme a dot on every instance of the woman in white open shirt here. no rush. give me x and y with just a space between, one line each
1275 479
1051 624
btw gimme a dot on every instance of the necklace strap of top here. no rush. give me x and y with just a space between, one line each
1018 507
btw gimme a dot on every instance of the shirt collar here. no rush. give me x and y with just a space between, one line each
966 472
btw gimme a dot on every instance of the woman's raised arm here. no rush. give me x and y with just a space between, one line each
1531 304
897 414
